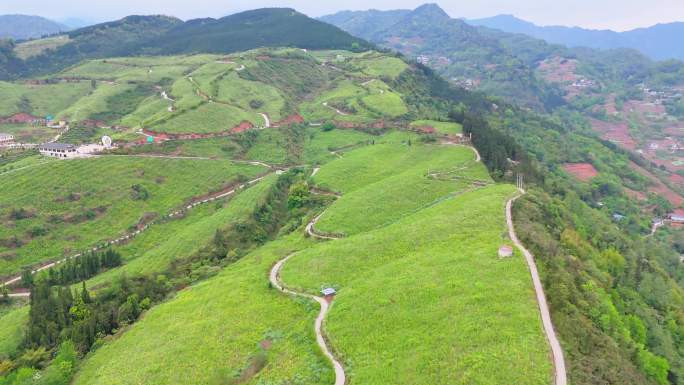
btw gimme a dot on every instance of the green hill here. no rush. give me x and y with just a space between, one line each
163 35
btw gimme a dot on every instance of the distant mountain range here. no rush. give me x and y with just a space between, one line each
22 27
659 42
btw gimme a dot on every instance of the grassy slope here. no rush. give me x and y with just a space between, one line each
42 100
107 181
423 300
397 184
217 327
426 300
152 251
11 329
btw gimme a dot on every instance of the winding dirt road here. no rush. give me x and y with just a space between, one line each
275 281
267 121
556 351
310 230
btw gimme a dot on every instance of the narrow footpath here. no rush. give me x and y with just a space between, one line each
275 281
312 233
556 351
131 235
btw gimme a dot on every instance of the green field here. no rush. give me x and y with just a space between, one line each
54 209
12 322
382 171
40 100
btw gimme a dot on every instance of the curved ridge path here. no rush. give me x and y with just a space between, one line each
275 281
556 351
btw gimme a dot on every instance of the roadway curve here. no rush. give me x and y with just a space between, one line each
275 281
310 230
267 121
558 361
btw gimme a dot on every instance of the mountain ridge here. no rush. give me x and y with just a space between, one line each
22 27
659 42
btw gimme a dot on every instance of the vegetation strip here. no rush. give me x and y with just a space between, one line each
274 279
557 352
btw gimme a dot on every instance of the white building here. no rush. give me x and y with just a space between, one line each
58 150
6 139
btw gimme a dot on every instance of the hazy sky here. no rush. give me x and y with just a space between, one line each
613 14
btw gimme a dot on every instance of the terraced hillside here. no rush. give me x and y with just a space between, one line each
236 326
226 165
209 95
52 209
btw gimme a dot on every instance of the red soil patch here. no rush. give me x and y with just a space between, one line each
558 70
292 119
658 187
617 132
609 106
677 179
581 171
242 127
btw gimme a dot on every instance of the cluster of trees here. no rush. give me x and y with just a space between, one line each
58 314
80 268
613 303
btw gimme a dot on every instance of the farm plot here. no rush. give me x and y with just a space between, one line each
401 188
46 209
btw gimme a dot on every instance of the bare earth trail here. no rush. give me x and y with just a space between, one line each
128 236
275 281
556 351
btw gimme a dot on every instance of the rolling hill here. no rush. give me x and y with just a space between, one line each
163 35
23 27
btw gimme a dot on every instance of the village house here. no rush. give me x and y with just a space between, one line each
6 139
505 251
58 150
328 293
56 124
422 59
677 216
